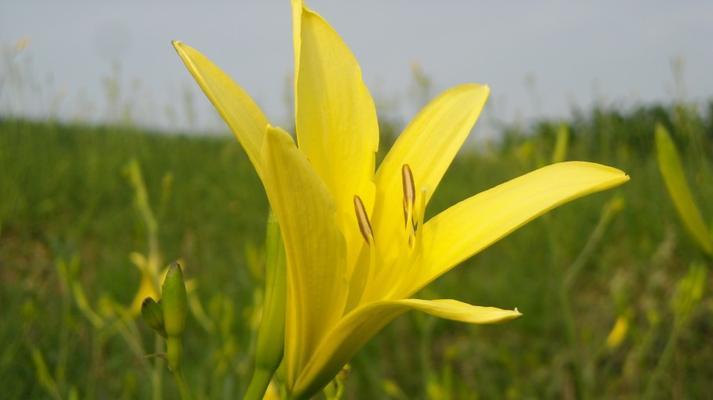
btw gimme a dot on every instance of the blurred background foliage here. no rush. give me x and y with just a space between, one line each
615 293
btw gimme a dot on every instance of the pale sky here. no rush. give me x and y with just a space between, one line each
540 58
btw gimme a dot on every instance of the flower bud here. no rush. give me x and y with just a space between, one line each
271 334
153 315
174 301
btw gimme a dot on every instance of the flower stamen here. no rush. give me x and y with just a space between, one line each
409 193
363 221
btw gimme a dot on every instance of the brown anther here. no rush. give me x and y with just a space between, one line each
409 191
363 220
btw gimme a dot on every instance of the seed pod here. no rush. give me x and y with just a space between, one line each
174 301
153 315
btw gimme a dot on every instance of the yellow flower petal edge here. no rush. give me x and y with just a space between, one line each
675 180
475 223
357 327
239 111
335 117
314 247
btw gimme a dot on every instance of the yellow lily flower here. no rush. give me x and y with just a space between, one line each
356 243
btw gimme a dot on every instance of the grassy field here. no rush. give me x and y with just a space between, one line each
596 280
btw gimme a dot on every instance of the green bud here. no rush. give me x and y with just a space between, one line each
174 301
271 334
153 315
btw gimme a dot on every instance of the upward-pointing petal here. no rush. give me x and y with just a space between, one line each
427 145
236 107
335 116
314 247
430 142
475 223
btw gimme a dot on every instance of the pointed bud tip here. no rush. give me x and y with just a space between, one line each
175 268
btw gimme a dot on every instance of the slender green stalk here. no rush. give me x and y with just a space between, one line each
259 383
156 381
663 361
593 241
611 208
571 332
183 390
44 378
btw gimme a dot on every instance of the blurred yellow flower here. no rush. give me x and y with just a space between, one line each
618 332
356 241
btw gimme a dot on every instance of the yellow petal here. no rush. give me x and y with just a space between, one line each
475 223
428 145
236 107
335 116
673 176
314 247
364 322
146 289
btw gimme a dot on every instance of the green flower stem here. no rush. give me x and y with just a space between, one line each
582 385
663 362
183 390
156 384
174 352
258 384
571 331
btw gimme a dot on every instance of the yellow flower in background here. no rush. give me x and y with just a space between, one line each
356 242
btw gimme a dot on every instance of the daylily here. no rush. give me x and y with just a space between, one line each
356 242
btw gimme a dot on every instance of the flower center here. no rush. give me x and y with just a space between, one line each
389 282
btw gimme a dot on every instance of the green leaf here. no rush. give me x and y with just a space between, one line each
672 173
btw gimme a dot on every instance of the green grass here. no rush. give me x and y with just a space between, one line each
63 194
